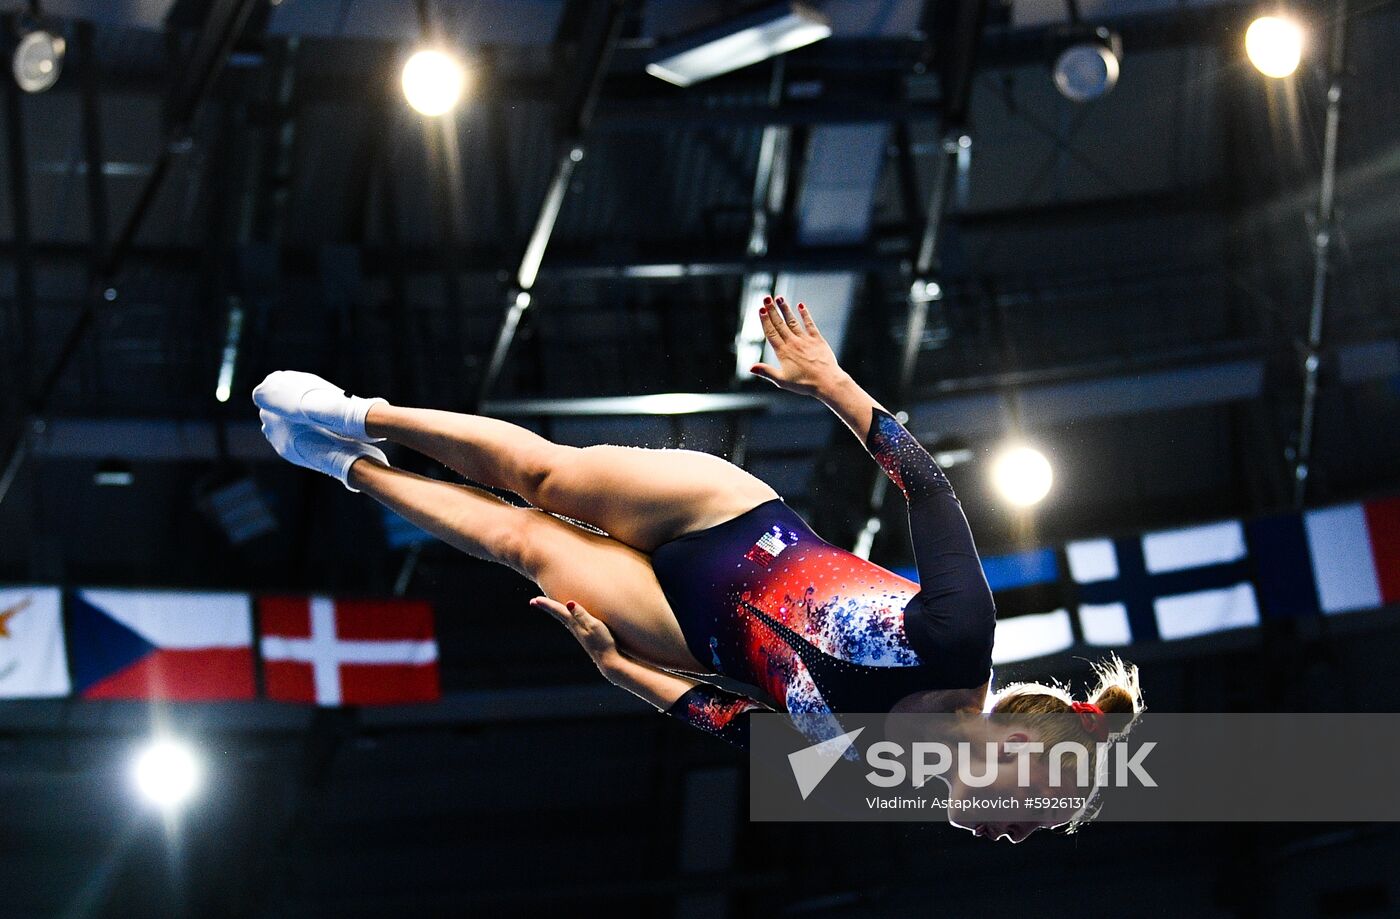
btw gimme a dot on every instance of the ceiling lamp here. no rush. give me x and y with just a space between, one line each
756 36
1022 475
1274 45
434 81
1087 67
38 60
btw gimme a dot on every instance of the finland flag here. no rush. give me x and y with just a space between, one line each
1172 584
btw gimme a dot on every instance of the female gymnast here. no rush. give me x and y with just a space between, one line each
704 568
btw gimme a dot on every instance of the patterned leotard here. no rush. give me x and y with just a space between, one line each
818 630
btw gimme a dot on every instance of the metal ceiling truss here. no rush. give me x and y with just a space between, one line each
222 27
1209 374
1323 230
20 320
600 29
955 29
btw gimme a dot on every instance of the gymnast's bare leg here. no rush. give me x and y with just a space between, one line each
639 496
612 580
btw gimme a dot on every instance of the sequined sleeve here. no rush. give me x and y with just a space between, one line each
911 467
717 711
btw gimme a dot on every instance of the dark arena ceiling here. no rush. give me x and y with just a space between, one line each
1127 282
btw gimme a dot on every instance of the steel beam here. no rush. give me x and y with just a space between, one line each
957 28
222 28
261 220
823 112
601 32
1167 26
405 364
498 132
93 159
20 322
676 263
766 207
92 142
265 220
1324 229
1229 371
846 58
679 403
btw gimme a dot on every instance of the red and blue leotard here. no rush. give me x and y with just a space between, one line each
818 630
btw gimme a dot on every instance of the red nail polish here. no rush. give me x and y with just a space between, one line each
570 605
763 311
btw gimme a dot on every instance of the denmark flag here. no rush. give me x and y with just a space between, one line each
348 652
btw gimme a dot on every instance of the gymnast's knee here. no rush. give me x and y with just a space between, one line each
542 470
520 544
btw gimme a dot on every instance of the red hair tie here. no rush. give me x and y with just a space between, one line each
1091 719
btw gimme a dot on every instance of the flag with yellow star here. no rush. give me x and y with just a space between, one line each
33 658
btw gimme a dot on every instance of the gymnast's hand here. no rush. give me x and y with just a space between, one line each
806 362
587 629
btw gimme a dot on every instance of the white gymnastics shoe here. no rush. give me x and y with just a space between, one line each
308 399
312 448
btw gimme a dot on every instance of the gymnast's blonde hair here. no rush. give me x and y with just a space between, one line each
1042 708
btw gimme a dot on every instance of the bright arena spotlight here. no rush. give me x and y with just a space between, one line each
167 773
1022 475
1274 45
1089 68
434 81
38 60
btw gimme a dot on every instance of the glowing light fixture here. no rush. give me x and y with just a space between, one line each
1274 45
1022 475
167 773
38 60
233 334
434 81
1088 69
735 43
113 472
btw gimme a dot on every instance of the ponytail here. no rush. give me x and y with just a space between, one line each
1117 698
1118 692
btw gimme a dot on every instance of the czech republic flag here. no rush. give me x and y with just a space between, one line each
176 646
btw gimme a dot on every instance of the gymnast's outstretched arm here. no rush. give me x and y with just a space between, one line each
808 366
955 619
699 704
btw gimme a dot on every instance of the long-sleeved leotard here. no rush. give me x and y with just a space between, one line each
818 630
717 711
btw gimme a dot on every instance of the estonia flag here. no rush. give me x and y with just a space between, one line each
1031 617
175 646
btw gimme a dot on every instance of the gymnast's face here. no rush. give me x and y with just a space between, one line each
1006 809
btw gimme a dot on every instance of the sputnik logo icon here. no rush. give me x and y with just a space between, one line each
811 764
